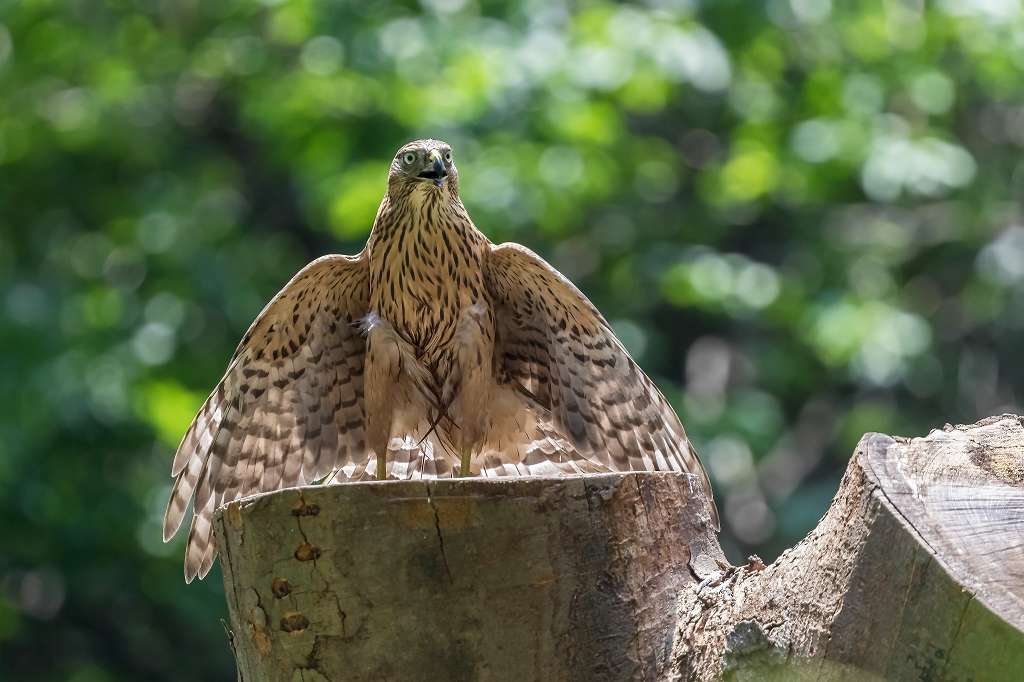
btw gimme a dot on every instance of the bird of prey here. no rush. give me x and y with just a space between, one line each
432 353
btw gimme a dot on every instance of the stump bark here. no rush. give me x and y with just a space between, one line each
916 571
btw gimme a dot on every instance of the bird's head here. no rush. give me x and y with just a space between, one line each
424 166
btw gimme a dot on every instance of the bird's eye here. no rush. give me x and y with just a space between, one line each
448 156
409 158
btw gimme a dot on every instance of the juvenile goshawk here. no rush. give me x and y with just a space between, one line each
432 353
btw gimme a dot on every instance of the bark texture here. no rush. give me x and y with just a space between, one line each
915 572
464 579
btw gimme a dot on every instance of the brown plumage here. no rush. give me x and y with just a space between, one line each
442 352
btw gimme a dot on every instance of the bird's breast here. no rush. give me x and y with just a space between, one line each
422 285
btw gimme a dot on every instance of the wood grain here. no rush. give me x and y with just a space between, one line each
914 573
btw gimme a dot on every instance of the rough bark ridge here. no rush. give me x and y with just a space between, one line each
915 572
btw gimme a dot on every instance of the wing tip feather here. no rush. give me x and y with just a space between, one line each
200 484
172 516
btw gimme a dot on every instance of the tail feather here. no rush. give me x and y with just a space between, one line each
525 444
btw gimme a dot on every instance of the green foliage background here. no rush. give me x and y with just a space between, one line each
802 218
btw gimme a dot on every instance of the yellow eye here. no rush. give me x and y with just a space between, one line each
409 158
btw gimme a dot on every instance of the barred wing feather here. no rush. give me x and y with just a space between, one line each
289 409
555 345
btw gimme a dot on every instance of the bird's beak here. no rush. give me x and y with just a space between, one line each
436 170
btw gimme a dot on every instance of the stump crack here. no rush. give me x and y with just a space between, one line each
440 536
640 498
906 597
956 633
882 494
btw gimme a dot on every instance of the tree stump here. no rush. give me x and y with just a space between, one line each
916 571
463 579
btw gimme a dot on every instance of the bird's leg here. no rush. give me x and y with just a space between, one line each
393 380
471 382
382 369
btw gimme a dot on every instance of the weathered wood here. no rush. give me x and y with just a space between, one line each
916 571
465 579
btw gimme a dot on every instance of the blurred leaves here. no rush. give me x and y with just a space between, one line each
802 217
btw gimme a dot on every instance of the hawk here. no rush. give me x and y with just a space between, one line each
431 353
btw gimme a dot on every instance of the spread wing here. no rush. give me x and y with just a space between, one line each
558 348
289 409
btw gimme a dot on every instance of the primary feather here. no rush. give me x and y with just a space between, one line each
434 349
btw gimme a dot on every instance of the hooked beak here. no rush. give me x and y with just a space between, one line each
436 171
